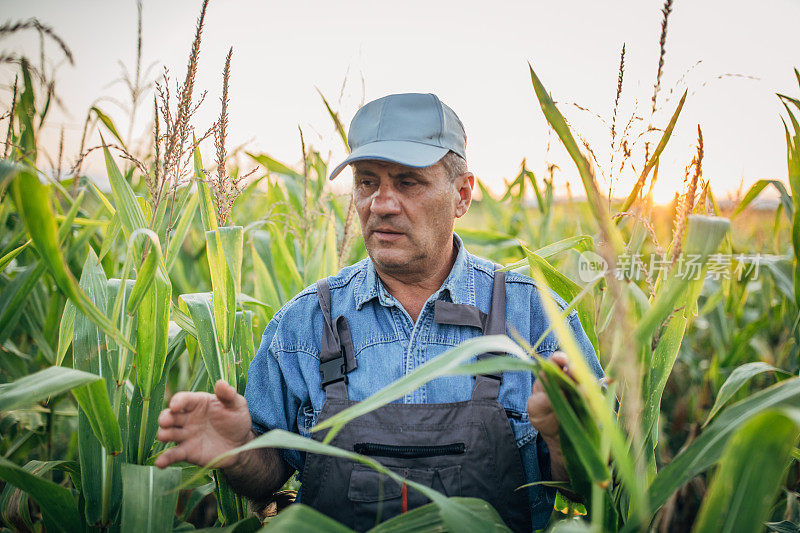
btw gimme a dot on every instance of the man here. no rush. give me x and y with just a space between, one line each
418 294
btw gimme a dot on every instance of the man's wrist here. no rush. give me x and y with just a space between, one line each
240 461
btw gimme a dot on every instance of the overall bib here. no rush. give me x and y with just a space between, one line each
460 449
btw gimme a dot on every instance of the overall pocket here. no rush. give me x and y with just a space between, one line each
377 497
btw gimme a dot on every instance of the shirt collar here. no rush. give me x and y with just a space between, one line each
459 284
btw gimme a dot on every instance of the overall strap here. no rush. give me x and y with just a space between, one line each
487 386
494 323
336 356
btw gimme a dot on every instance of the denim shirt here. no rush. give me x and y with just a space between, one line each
283 385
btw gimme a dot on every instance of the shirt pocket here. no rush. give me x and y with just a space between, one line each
521 426
306 419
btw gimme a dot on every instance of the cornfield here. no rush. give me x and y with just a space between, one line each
113 300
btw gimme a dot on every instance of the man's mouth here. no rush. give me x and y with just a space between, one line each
387 234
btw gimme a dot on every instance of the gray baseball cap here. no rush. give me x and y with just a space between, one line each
412 129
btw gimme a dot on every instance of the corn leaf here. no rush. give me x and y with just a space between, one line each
93 399
149 498
556 120
202 313
90 353
738 378
65 332
567 290
181 229
7 258
56 502
41 385
106 120
130 213
755 190
750 472
708 448
703 237
34 201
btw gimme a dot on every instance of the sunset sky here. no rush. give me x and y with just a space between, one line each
732 56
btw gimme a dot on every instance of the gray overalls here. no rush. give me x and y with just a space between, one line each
460 449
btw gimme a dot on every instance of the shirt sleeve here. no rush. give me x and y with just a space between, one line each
270 401
585 345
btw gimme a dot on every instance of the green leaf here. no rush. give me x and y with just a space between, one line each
597 405
181 229
146 273
149 498
559 125
130 213
202 313
224 251
14 297
7 258
100 479
207 214
703 237
106 120
740 375
427 518
194 499
112 231
66 330
755 190
567 290
41 385
275 166
243 348
34 201
93 399
300 518
751 470
26 111
56 502
707 449
246 525
336 122
152 333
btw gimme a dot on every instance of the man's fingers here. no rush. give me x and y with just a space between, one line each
186 401
561 359
168 419
173 434
171 455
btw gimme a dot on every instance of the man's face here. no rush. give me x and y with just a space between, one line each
407 214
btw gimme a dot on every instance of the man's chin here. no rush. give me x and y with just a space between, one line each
388 259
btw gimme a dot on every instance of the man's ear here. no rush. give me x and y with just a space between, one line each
464 185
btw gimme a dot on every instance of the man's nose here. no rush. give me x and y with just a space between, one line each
385 201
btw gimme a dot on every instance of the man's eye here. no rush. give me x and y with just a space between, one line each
408 183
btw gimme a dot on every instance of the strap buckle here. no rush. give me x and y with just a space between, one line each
489 355
333 370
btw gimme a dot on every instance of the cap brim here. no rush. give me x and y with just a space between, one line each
408 153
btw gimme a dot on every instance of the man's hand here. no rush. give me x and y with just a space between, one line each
542 417
204 426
